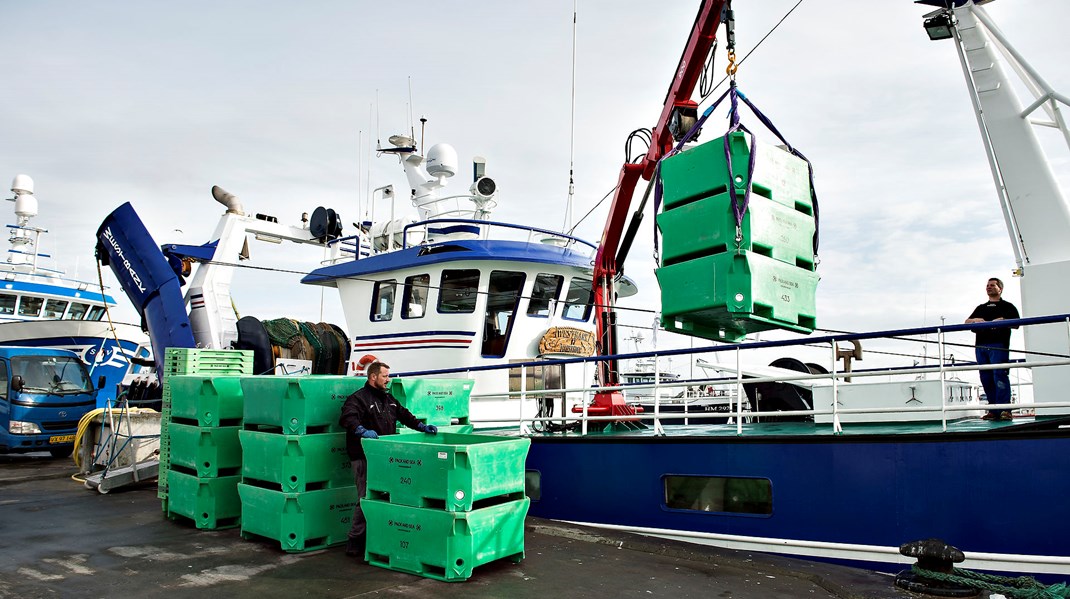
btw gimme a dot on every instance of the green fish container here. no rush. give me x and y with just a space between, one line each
296 463
298 521
701 172
207 400
434 400
181 360
443 545
708 226
209 451
211 503
464 429
447 471
296 405
725 296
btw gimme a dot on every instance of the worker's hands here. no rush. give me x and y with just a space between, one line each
427 428
367 433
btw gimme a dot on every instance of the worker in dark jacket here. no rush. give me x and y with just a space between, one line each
367 414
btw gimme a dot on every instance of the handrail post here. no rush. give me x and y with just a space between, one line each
658 430
523 396
739 392
943 379
837 427
583 423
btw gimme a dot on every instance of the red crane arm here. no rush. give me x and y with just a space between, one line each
702 37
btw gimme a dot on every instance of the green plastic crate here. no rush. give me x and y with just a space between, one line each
296 404
210 503
206 400
298 521
206 450
434 400
726 296
448 471
464 429
296 462
701 172
180 361
165 443
443 545
708 226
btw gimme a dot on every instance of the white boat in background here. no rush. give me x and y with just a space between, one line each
41 307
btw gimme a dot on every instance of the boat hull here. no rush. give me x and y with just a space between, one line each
854 497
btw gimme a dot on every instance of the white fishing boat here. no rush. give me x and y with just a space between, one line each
41 307
818 460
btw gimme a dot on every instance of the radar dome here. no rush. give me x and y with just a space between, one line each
442 160
22 184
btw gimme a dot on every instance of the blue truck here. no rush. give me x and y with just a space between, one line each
44 392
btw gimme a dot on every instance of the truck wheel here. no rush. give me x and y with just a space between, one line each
61 452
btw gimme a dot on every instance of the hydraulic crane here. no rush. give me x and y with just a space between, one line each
677 112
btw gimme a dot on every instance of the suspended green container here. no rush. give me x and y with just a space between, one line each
443 545
296 463
725 296
210 503
298 521
447 471
296 405
702 172
708 226
206 400
434 400
208 451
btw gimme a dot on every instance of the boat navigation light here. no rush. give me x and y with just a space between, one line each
442 160
940 26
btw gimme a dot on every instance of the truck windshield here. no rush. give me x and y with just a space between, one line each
60 375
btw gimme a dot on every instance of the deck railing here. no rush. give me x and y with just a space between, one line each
944 368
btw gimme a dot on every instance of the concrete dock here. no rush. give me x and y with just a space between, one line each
58 539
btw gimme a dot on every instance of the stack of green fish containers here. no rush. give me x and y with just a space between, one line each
199 452
440 505
297 485
443 402
720 286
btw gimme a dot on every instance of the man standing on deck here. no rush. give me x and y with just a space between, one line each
367 414
993 347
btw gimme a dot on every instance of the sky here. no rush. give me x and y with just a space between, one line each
282 103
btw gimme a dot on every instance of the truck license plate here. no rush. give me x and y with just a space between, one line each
61 439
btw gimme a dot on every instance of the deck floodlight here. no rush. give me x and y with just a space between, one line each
940 26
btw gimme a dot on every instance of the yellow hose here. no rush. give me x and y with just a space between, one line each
88 418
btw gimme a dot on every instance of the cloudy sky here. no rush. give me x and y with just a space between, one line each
281 102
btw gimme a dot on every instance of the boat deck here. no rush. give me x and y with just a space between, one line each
58 539
765 430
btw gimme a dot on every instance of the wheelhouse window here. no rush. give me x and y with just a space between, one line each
546 290
383 300
734 495
54 308
95 313
30 305
503 297
578 300
457 293
7 303
77 311
414 304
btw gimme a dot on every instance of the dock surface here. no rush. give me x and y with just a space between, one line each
59 539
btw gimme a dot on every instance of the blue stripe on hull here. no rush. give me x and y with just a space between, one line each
851 489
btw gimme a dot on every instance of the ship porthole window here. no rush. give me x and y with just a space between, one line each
457 293
578 300
414 304
723 494
7 303
54 308
383 300
544 292
77 311
30 305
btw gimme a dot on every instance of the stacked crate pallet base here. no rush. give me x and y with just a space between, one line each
199 450
441 505
297 490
